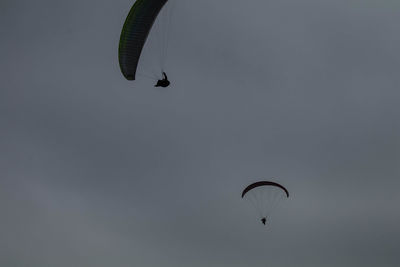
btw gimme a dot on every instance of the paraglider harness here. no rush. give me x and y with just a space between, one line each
164 82
264 220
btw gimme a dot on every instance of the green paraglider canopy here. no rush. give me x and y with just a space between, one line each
134 34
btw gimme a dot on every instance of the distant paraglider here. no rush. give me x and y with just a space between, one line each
264 196
164 82
136 29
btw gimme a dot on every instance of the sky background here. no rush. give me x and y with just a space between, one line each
99 171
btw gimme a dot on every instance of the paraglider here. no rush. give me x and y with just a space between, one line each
138 24
264 196
263 220
164 82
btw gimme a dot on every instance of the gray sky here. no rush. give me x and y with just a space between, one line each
99 171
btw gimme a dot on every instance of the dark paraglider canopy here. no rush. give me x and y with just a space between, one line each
264 183
134 34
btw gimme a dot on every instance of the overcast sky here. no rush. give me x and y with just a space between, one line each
99 171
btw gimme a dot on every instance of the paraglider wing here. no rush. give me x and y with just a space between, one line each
134 34
264 183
